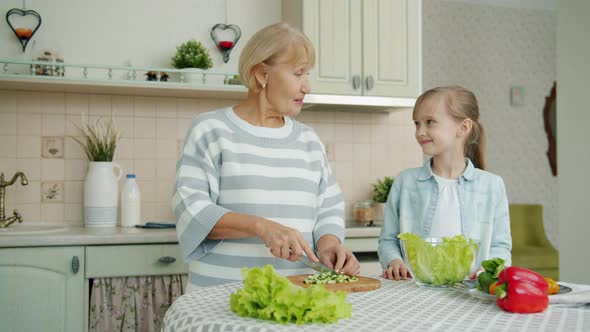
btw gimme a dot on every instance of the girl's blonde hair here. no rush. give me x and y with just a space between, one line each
277 43
461 104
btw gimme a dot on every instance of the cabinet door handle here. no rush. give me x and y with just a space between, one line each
75 264
369 82
167 259
356 82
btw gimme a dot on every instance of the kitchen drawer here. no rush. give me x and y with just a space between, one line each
362 244
134 260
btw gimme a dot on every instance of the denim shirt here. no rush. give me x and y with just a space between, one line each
412 203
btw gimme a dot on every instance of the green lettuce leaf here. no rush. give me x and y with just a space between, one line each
442 264
268 295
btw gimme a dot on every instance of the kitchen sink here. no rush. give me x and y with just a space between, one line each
32 230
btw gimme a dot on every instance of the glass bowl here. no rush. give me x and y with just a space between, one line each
439 262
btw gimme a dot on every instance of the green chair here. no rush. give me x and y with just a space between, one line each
530 247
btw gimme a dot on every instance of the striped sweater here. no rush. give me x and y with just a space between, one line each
279 174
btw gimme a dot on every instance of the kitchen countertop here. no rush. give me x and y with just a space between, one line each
64 235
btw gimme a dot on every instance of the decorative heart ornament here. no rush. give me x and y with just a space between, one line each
23 34
226 45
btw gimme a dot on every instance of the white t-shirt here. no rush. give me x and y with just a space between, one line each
447 218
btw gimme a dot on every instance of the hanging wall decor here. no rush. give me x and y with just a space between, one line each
23 33
225 45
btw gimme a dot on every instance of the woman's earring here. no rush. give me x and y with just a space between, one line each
264 85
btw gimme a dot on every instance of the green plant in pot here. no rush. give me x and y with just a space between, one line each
101 185
192 54
381 191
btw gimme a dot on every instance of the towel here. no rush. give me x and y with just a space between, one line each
579 296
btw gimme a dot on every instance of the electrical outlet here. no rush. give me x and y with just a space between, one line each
330 151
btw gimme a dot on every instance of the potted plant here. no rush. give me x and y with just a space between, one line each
380 193
101 186
192 54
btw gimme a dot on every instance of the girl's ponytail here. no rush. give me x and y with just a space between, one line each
475 146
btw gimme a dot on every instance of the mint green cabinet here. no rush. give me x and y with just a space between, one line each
42 289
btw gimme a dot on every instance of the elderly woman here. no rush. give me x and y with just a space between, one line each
253 185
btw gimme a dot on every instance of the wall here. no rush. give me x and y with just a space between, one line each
573 117
364 147
489 49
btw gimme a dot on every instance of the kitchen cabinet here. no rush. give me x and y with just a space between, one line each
42 289
363 47
134 260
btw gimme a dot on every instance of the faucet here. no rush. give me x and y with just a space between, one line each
5 222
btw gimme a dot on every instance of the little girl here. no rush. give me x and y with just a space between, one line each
451 194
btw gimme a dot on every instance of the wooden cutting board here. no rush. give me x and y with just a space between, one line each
362 285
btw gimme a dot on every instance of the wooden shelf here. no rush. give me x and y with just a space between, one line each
140 88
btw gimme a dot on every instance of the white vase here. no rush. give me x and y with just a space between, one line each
101 193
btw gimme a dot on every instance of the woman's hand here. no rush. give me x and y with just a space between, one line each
336 256
284 242
396 270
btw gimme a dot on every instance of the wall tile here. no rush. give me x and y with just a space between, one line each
28 124
31 193
144 148
53 125
74 214
52 169
77 104
31 167
7 123
73 150
75 170
74 191
28 102
166 169
125 125
124 149
166 149
343 133
166 108
145 107
7 101
8 147
100 105
145 127
28 147
122 106
148 190
53 103
166 128
145 169
164 191
52 213
188 108
31 212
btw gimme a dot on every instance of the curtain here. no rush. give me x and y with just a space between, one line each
132 303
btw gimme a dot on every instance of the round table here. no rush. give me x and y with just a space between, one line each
396 306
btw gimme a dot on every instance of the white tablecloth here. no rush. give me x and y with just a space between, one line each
396 306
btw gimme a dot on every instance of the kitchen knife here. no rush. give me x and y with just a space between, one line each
315 266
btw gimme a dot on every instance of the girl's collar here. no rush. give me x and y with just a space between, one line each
426 170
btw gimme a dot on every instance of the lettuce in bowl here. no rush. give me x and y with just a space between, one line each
438 261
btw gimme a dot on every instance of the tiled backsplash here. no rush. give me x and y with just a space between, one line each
36 130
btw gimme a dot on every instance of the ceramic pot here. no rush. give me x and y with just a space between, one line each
101 193
378 211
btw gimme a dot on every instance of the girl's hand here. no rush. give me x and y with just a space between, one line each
341 259
476 273
396 270
285 242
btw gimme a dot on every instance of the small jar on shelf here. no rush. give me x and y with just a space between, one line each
364 213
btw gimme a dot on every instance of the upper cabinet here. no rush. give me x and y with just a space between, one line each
363 47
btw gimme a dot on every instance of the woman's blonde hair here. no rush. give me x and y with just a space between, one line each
277 43
461 104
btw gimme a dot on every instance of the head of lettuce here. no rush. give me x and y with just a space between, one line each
438 261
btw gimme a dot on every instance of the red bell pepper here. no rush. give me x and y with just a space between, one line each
522 291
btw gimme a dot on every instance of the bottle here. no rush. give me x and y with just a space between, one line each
130 202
